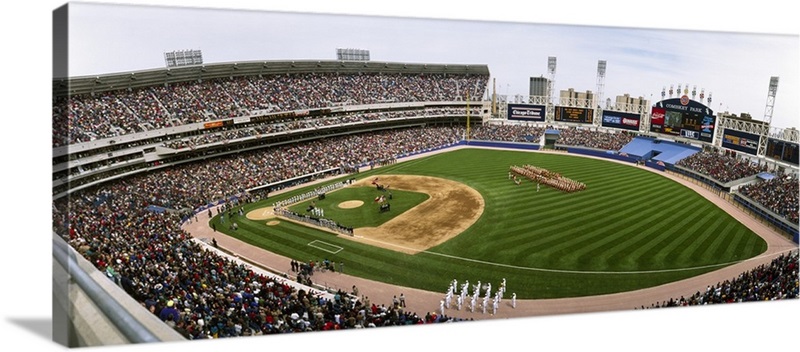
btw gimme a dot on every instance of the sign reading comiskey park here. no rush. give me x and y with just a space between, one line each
683 117
526 112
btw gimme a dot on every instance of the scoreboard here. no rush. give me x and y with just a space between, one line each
683 117
782 150
576 115
740 141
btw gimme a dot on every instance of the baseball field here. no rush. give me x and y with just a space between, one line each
458 215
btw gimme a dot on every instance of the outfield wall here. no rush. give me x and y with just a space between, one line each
505 145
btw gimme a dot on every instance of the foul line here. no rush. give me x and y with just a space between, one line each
578 271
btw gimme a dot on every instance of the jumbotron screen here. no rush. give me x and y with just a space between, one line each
576 115
685 118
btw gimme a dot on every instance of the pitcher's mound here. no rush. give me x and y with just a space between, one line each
273 223
350 204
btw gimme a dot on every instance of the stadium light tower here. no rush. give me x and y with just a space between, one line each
601 82
771 91
180 58
551 78
349 54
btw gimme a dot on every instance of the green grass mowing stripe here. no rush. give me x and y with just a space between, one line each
558 216
697 225
585 253
748 246
636 236
677 231
732 244
736 246
712 229
522 242
279 241
557 221
622 255
711 250
565 250
719 248
612 241
665 231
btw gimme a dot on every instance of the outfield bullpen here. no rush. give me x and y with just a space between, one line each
629 229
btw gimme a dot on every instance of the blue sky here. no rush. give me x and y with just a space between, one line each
735 68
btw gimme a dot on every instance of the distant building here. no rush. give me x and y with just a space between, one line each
627 103
538 86
743 116
570 97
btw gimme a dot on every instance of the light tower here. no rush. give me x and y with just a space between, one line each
771 91
180 58
601 82
551 75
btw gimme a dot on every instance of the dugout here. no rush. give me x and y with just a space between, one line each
550 138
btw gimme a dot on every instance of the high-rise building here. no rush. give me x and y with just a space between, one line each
538 86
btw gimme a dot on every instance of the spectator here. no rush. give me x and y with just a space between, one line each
780 195
723 168
777 280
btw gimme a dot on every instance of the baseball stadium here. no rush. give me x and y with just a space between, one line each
253 198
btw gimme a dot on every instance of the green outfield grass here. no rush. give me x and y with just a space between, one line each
367 215
629 229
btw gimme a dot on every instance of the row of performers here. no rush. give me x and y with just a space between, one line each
547 177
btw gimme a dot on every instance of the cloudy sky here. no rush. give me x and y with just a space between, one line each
733 67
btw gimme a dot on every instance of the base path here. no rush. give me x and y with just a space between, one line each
452 208
421 301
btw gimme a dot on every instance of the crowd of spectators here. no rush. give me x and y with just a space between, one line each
777 280
581 137
723 168
153 259
508 133
114 113
780 195
283 125
200 183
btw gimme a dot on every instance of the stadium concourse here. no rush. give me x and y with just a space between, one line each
163 260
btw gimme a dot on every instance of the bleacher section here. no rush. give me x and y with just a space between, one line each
658 150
